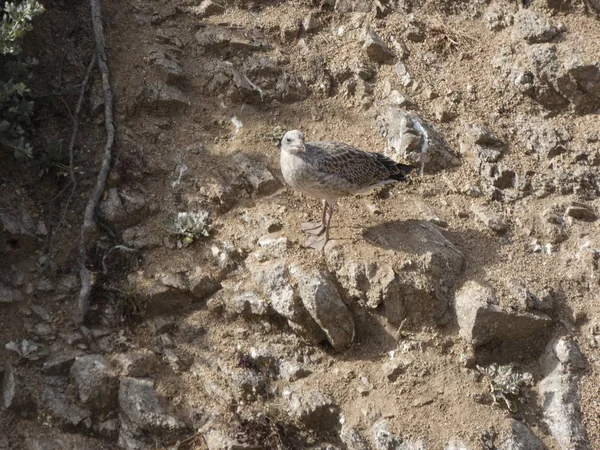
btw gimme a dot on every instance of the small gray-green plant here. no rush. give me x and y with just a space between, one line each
16 108
275 135
27 349
505 385
189 226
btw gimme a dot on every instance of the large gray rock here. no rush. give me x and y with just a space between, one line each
273 279
560 394
63 410
142 414
556 80
417 280
519 438
96 387
321 299
16 395
533 28
163 98
405 141
261 180
482 320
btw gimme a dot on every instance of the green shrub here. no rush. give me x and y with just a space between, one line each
16 108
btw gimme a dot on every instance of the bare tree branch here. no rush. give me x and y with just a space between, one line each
74 132
88 220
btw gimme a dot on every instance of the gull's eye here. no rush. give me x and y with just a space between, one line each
288 140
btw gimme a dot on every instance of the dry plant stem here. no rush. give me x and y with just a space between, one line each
88 219
75 130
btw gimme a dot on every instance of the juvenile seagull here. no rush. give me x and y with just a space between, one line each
330 170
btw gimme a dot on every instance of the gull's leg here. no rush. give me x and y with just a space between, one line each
318 242
316 227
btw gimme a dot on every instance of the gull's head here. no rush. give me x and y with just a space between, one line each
292 142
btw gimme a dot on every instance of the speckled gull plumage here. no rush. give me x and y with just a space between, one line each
330 170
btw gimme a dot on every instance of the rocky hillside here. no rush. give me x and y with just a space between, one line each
458 311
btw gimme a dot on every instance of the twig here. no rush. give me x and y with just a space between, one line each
116 247
88 219
75 130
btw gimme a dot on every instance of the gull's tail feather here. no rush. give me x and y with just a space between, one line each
402 174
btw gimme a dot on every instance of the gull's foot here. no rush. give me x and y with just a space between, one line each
317 242
315 228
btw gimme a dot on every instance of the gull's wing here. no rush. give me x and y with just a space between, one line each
357 167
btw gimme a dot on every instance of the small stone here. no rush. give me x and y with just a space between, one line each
208 8
396 98
353 439
163 98
492 220
393 368
258 176
65 412
313 408
533 28
200 283
291 371
475 191
310 23
8 295
376 49
482 135
248 304
364 386
15 393
141 408
385 440
568 354
44 330
444 113
135 364
430 94
96 387
414 33
581 212
112 208
59 364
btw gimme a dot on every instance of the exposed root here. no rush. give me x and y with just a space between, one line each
88 220
73 181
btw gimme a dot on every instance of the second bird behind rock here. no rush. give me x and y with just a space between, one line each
330 170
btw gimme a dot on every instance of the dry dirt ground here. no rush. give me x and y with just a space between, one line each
180 75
